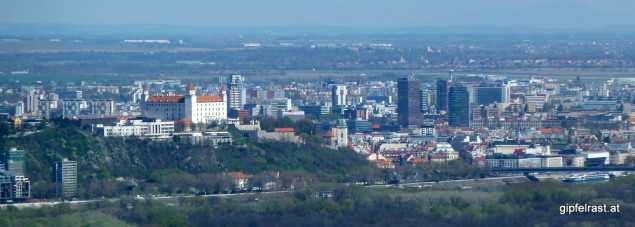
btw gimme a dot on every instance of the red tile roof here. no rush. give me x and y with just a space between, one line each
209 98
549 130
419 160
620 140
328 134
167 98
239 175
383 163
436 156
190 86
393 152
284 130
181 98
184 120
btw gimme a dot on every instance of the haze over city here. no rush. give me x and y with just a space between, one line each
352 13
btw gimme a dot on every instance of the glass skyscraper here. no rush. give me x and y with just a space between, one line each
409 102
459 107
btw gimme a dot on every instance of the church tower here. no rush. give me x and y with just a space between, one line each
342 131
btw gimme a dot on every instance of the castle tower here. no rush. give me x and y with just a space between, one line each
145 94
223 93
190 103
190 89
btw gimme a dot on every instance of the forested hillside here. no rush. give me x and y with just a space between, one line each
107 158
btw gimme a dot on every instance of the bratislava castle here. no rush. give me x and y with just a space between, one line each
197 108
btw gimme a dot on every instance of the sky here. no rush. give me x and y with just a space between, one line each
351 13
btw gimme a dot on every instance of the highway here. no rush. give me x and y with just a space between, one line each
567 169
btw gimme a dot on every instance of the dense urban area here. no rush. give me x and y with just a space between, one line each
459 129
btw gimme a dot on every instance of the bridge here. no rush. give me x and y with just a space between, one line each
566 169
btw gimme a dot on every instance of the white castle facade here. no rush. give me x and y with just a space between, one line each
197 108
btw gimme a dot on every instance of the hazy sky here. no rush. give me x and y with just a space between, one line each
354 13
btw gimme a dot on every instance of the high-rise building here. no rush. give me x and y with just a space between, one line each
409 102
15 161
102 107
237 92
459 107
31 101
442 95
338 95
424 100
65 178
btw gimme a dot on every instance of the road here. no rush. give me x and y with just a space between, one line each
169 200
482 183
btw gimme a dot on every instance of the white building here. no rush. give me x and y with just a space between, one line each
445 149
272 107
338 95
197 108
206 138
136 128
551 162
237 92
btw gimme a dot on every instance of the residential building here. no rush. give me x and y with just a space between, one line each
241 180
237 95
338 95
551 162
102 107
65 178
14 187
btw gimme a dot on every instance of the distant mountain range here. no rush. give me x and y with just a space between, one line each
181 32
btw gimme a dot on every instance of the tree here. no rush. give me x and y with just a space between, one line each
305 126
565 124
214 124
5 128
630 161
